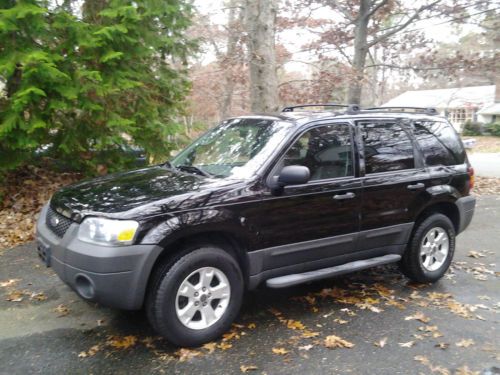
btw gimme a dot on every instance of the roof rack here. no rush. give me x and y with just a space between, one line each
292 108
426 110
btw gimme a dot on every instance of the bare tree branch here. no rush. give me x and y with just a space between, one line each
403 25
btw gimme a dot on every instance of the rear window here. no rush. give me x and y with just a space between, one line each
388 147
439 142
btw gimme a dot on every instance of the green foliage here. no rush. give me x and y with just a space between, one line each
472 128
494 129
80 85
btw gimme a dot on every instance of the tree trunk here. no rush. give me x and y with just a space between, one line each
260 26
360 52
231 60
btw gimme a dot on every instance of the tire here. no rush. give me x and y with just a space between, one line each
166 303
422 268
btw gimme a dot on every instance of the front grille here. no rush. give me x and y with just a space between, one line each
57 223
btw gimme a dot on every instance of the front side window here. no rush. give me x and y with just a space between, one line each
325 150
237 148
388 147
439 142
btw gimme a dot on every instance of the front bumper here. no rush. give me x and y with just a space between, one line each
111 276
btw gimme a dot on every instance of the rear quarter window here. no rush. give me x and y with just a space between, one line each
439 142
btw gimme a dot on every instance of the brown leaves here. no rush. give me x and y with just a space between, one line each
121 342
62 310
419 316
295 324
279 351
408 344
9 283
244 368
90 353
465 343
381 343
15 296
333 342
25 191
185 354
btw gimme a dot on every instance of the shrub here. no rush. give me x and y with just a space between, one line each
494 129
91 83
472 128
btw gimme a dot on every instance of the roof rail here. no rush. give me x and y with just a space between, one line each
426 110
291 108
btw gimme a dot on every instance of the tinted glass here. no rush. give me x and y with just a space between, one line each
325 150
236 148
439 143
387 147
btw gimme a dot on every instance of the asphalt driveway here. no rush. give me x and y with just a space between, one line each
372 322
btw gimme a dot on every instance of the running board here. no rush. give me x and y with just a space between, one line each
299 278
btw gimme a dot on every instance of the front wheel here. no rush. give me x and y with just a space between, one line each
195 299
431 249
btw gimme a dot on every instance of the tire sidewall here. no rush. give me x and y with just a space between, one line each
437 220
167 321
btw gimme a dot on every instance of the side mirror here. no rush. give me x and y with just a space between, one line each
293 175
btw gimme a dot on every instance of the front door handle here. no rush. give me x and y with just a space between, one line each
340 197
418 186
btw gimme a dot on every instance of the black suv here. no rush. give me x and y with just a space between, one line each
276 199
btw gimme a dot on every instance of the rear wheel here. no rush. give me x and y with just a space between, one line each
431 249
196 298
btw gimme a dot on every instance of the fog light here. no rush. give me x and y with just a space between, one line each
84 286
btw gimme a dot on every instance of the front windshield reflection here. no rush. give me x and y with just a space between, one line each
237 148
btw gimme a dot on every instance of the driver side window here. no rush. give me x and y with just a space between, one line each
326 150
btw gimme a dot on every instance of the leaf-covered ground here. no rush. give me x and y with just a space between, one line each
372 322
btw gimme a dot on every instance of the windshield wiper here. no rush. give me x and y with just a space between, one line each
193 169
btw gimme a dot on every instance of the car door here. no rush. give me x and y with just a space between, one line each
393 183
308 225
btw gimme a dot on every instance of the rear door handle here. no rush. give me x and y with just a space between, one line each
340 197
416 186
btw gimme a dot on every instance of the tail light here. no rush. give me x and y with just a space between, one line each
470 172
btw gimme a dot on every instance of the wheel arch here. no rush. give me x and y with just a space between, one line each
445 207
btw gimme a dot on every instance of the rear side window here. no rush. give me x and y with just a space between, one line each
439 143
388 147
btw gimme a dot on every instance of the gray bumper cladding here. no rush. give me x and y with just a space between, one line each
112 276
466 206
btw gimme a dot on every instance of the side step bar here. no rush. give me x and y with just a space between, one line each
300 278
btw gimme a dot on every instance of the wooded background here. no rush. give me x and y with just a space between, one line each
85 80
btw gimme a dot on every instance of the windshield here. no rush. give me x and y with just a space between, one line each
237 148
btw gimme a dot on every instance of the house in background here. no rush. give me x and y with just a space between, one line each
459 105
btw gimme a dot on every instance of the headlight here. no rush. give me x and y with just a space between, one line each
107 231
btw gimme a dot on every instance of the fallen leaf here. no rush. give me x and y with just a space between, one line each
306 347
10 282
419 316
475 254
381 343
100 322
280 351
442 345
224 346
465 371
340 321
295 324
309 334
422 359
185 354
119 342
210 346
248 368
408 344
251 326
465 343
89 353
15 296
62 310
333 342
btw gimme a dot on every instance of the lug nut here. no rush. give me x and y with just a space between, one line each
203 288
196 294
196 303
204 303
210 294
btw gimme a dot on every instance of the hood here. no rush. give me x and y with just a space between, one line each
146 191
